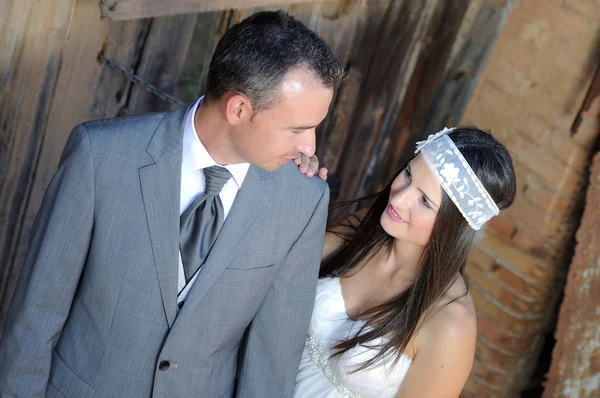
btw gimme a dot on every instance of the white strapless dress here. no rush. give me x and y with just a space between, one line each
320 376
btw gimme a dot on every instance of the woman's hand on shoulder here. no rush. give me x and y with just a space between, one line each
310 165
444 353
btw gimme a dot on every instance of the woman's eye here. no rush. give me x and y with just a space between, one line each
425 202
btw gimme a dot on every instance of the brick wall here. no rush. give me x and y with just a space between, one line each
528 96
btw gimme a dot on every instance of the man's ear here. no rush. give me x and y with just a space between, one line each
238 109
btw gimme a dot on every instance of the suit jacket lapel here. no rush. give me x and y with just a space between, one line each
252 201
161 185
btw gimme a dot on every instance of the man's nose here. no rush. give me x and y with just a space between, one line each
307 144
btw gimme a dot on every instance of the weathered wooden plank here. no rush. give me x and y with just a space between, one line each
32 35
195 68
123 46
168 40
395 42
134 9
337 23
338 130
579 318
67 72
338 123
397 146
5 6
485 20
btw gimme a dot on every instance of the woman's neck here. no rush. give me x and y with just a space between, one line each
403 258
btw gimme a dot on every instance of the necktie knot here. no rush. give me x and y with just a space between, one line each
200 223
215 177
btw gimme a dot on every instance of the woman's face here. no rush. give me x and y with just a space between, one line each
415 199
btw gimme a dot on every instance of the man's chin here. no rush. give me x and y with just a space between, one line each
269 167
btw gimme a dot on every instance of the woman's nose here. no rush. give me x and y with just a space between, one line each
402 198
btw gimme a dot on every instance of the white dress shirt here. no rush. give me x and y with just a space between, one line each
195 157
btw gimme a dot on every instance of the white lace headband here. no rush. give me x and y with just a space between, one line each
457 178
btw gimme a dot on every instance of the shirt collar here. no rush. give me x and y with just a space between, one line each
196 157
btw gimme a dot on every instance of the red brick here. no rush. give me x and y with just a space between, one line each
532 291
498 358
495 99
481 259
503 340
511 79
479 280
536 191
522 59
514 325
522 263
548 229
552 82
587 132
475 389
556 141
529 242
543 165
492 376
563 22
589 9
502 227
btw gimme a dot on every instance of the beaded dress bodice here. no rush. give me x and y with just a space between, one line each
321 376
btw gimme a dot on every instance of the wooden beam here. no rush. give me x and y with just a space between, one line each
32 35
483 23
54 83
117 10
391 42
579 319
397 147
169 38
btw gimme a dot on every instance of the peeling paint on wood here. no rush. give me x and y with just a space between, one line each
575 370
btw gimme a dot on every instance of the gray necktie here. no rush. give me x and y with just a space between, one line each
200 223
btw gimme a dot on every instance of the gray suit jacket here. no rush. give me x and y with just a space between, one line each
94 312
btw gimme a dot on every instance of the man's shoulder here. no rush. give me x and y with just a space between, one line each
122 138
124 122
290 173
289 179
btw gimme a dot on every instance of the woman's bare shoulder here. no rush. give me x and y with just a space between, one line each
455 313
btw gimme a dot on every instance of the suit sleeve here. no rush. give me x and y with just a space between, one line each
275 339
58 247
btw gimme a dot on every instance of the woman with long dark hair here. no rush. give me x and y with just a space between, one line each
393 316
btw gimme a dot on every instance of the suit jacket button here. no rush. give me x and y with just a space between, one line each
164 365
180 304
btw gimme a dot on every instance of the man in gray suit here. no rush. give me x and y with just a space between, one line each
107 305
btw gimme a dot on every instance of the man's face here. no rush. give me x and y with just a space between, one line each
274 136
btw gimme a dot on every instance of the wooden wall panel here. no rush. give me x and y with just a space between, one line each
135 9
386 55
396 145
161 63
575 370
31 54
123 45
407 70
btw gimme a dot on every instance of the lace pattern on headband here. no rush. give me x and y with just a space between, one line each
457 178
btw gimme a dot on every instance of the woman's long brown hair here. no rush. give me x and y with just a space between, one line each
443 259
